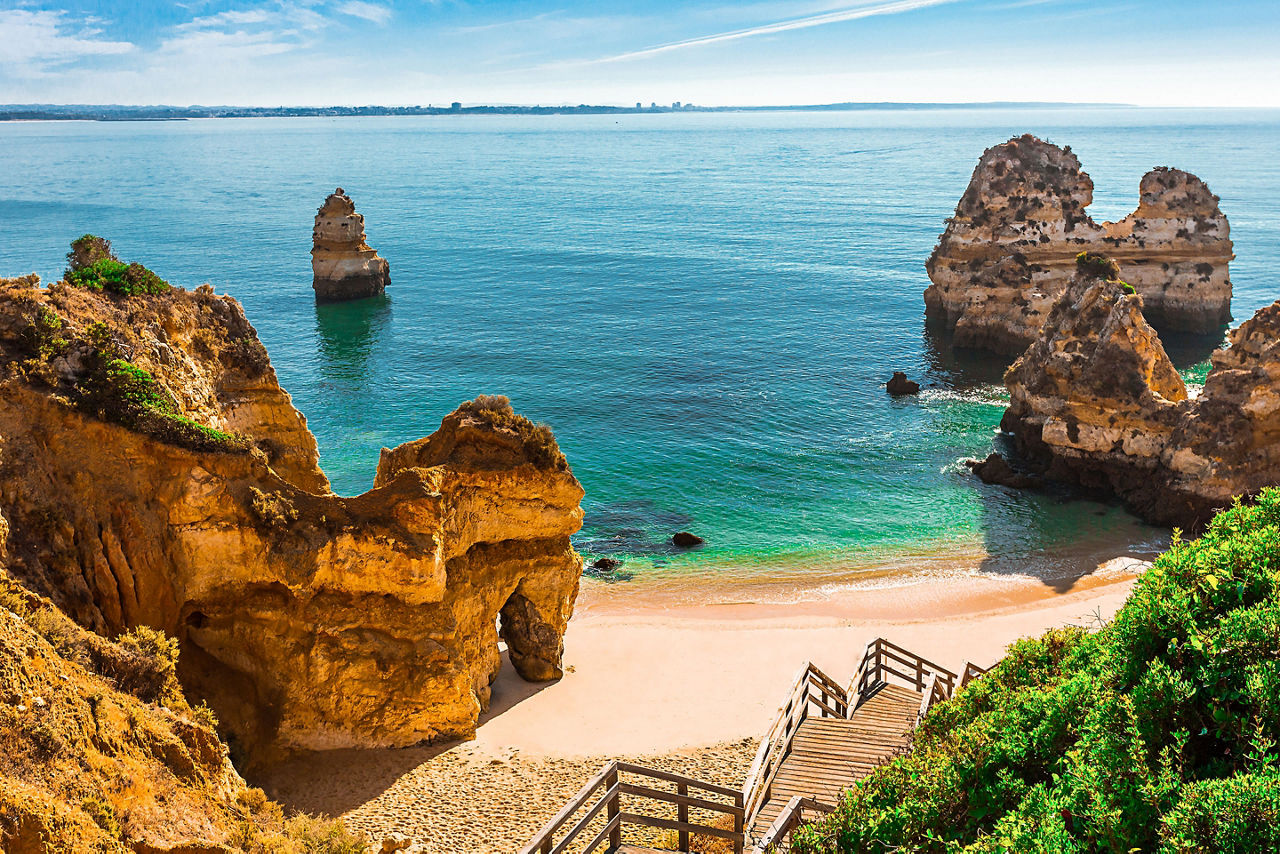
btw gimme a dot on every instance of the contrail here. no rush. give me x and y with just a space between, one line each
835 17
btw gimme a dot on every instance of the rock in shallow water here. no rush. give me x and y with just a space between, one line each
1096 402
899 385
686 540
996 469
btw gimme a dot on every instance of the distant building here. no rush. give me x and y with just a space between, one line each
639 106
456 105
653 105
676 105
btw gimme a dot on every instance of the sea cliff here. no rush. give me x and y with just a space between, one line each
1008 251
1095 401
155 474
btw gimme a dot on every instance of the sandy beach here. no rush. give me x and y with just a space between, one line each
684 688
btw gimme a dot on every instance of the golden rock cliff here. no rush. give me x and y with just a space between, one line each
1008 252
307 620
1095 401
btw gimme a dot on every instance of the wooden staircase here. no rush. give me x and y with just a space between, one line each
824 739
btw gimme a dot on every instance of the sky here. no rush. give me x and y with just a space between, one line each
411 52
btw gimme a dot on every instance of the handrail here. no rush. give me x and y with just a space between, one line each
878 665
934 693
813 689
971 671
610 803
791 817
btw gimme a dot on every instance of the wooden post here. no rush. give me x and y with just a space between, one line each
682 816
610 786
740 832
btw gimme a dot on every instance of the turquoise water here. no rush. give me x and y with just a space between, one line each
703 306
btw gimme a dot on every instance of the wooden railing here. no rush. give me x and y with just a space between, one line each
970 672
777 837
813 691
884 661
609 815
934 693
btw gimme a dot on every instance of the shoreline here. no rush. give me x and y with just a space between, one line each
690 688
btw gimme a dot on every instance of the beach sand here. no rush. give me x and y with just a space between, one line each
683 687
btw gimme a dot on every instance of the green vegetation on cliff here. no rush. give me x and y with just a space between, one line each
1157 732
91 264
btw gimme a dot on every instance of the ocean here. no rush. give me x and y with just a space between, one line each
704 307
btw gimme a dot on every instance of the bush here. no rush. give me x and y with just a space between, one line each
144 663
1099 266
539 443
118 390
1156 733
87 250
46 336
117 277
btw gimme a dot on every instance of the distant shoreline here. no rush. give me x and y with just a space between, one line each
130 113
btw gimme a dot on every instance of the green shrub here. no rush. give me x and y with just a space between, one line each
1100 266
122 392
1156 733
46 336
117 277
87 250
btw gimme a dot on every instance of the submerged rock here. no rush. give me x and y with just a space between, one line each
307 620
1096 402
686 540
1008 252
899 385
343 266
995 469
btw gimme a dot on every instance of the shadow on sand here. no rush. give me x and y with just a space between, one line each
332 782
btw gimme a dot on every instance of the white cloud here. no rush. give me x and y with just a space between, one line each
369 11
37 39
230 17
863 10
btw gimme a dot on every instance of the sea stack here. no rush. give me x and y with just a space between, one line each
1009 250
343 266
1095 401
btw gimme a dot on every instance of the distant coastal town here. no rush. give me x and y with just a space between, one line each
138 113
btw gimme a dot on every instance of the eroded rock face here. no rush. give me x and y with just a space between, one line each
306 619
1009 250
1096 402
343 266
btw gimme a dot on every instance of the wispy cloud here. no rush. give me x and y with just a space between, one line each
32 40
853 13
368 11
244 35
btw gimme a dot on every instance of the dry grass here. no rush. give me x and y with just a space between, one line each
539 443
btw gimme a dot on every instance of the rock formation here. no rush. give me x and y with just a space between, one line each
1009 250
307 620
343 266
1096 402
898 385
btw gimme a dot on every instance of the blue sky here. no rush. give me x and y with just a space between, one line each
266 52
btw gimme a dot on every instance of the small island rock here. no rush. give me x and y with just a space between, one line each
899 385
343 266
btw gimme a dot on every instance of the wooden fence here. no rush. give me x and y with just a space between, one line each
609 804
